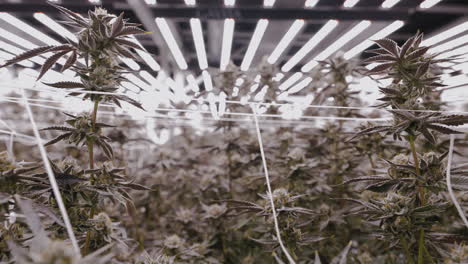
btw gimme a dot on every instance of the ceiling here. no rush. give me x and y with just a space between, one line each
246 14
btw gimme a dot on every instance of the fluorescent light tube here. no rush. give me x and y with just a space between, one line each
190 2
350 3
171 43
429 3
207 81
254 43
389 3
269 3
450 44
226 48
290 81
369 42
151 2
28 29
311 44
286 40
446 34
311 3
301 85
361 26
53 25
229 2
150 61
197 34
193 83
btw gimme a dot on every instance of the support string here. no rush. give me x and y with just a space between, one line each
449 182
256 103
51 175
270 194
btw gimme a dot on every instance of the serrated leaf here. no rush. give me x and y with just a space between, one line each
389 45
131 31
27 54
66 85
50 62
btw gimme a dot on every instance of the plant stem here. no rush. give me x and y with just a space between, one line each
408 253
421 247
418 171
90 142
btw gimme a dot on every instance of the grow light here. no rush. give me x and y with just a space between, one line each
356 30
290 81
254 43
311 3
171 43
197 33
350 3
312 43
429 3
286 40
379 35
446 34
226 48
389 3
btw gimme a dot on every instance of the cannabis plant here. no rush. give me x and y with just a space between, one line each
407 211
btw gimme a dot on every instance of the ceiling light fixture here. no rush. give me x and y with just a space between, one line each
311 3
429 3
269 3
286 40
228 34
446 34
207 81
369 42
190 2
311 44
290 81
361 26
171 43
56 27
28 29
197 34
350 3
389 3
229 2
254 43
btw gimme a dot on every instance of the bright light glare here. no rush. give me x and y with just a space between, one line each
429 3
226 48
286 40
337 44
254 43
389 3
190 2
311 44
171 43
369 42
197 34
350 3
